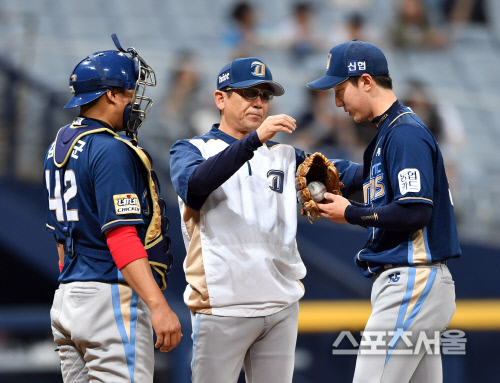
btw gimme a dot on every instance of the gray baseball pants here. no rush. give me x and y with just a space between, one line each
411 306
264 345
103 332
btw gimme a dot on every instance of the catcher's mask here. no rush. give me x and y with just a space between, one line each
122 69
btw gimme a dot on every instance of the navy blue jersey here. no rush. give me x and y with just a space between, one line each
104 186
403 164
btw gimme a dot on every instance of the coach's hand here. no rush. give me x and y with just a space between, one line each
334 209
167 327
275 124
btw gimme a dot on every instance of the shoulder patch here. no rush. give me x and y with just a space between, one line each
126 204
409 181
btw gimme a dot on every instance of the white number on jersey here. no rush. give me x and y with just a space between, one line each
50 154
56 203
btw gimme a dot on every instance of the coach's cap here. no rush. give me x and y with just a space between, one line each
245 73
351 59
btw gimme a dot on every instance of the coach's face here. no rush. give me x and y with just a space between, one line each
241 113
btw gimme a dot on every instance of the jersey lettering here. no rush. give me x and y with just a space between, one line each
376 169
50 154
379 187
77 149
56 203
375 188
277 180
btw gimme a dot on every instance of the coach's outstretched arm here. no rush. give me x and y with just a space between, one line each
203 176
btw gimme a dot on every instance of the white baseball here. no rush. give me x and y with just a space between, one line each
317 190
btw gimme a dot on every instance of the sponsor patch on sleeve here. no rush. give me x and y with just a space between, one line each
409 181
126 204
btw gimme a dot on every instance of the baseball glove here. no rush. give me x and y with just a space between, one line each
316 167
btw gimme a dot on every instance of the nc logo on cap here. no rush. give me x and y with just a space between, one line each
260 69
328 64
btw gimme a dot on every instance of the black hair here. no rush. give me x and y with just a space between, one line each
302 7
384 81
240 10
356 19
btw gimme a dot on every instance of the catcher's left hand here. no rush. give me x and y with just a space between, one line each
315 168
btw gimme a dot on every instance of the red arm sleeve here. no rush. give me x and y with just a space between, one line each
125 246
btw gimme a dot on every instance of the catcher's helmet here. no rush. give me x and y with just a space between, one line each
119 69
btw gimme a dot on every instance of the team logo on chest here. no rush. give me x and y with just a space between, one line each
277 180
375 188
126 204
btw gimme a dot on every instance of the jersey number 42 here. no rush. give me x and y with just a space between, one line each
56 197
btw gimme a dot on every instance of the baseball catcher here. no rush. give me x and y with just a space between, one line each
315 168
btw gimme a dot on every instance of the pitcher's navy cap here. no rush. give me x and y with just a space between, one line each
351 59
245 73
